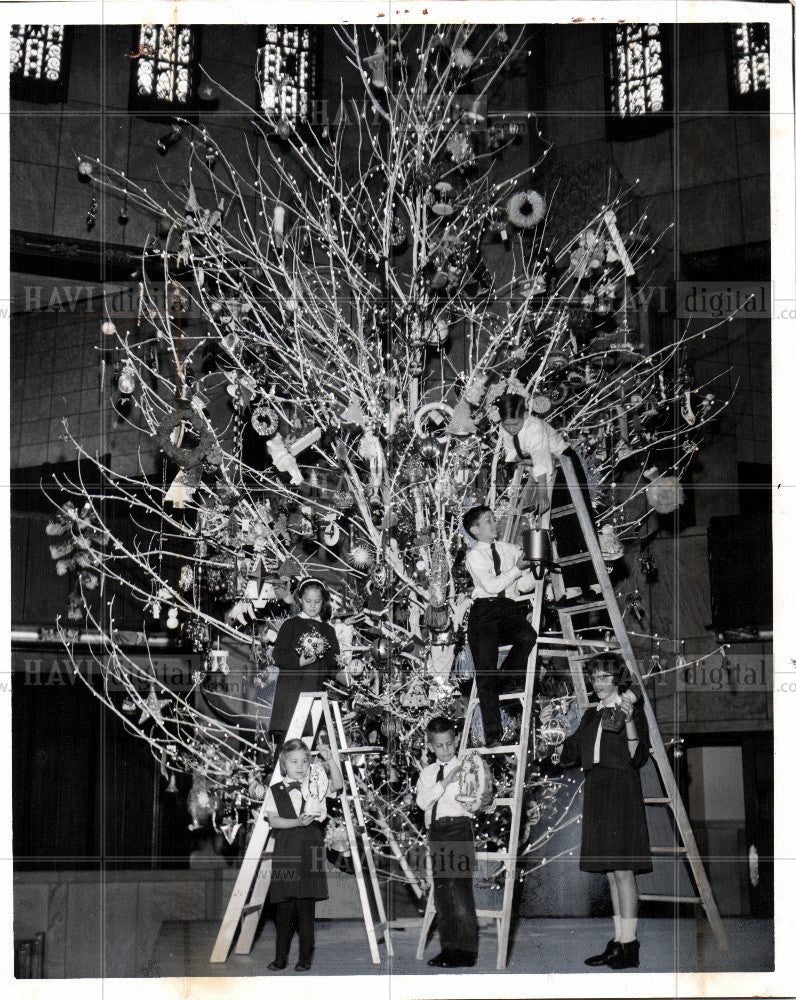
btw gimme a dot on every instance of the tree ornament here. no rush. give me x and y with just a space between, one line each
85 171
442 198
664 493
525 209
610 546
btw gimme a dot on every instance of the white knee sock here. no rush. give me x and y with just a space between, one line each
617 928
627 930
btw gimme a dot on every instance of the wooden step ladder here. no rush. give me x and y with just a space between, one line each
577 649
671 799
251 886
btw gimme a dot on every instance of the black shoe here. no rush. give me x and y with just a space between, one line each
627 958
442 961
462 959
277 965
572 602
611 951
303 966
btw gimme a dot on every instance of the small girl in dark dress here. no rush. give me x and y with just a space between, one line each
305 651
298 871
611 744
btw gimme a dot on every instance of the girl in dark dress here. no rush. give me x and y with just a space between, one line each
298 873
611 744
305 651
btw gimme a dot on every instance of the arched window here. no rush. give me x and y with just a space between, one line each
750 65
637 91
287 69
164 68
39 62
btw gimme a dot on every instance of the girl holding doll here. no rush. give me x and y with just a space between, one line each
305 651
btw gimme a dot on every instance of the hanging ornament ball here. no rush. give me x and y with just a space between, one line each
108 328
126 381
665 494
256 790
431 449
85 171
541 405
389 726
462 58
525 209
381 649
283 128
361 556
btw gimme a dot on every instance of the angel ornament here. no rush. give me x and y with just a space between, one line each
313 790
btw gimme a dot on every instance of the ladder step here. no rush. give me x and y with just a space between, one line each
667 850
504 801
251 908
557 640
659 801
495 914
577 557
651 897
568 508
512 696
512 748
492 855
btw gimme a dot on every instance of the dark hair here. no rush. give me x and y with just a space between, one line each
290 746
511 405
474 514
613 664
439 725
305 585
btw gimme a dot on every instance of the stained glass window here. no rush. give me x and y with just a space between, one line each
164 66
286 69
636 69
751 61
38 61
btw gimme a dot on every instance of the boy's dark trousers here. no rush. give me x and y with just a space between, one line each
452 846
495 622
302 912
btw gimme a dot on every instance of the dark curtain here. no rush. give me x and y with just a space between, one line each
86 792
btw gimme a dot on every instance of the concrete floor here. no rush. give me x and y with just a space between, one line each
540 946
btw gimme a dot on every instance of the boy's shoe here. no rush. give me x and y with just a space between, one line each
463 959
277 965
303 966
441 961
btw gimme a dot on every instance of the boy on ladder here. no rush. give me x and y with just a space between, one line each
499 613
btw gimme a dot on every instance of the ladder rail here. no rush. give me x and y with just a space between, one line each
659 750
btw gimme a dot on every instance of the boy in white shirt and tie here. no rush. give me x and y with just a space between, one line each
498 616
451 842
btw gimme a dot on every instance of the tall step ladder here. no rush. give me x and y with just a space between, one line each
577 648
251 886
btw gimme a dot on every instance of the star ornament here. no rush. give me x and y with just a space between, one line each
153 707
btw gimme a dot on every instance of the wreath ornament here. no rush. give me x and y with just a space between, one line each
186 458
525 209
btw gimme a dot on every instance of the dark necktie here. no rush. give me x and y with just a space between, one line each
516 440
495 558
440 777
